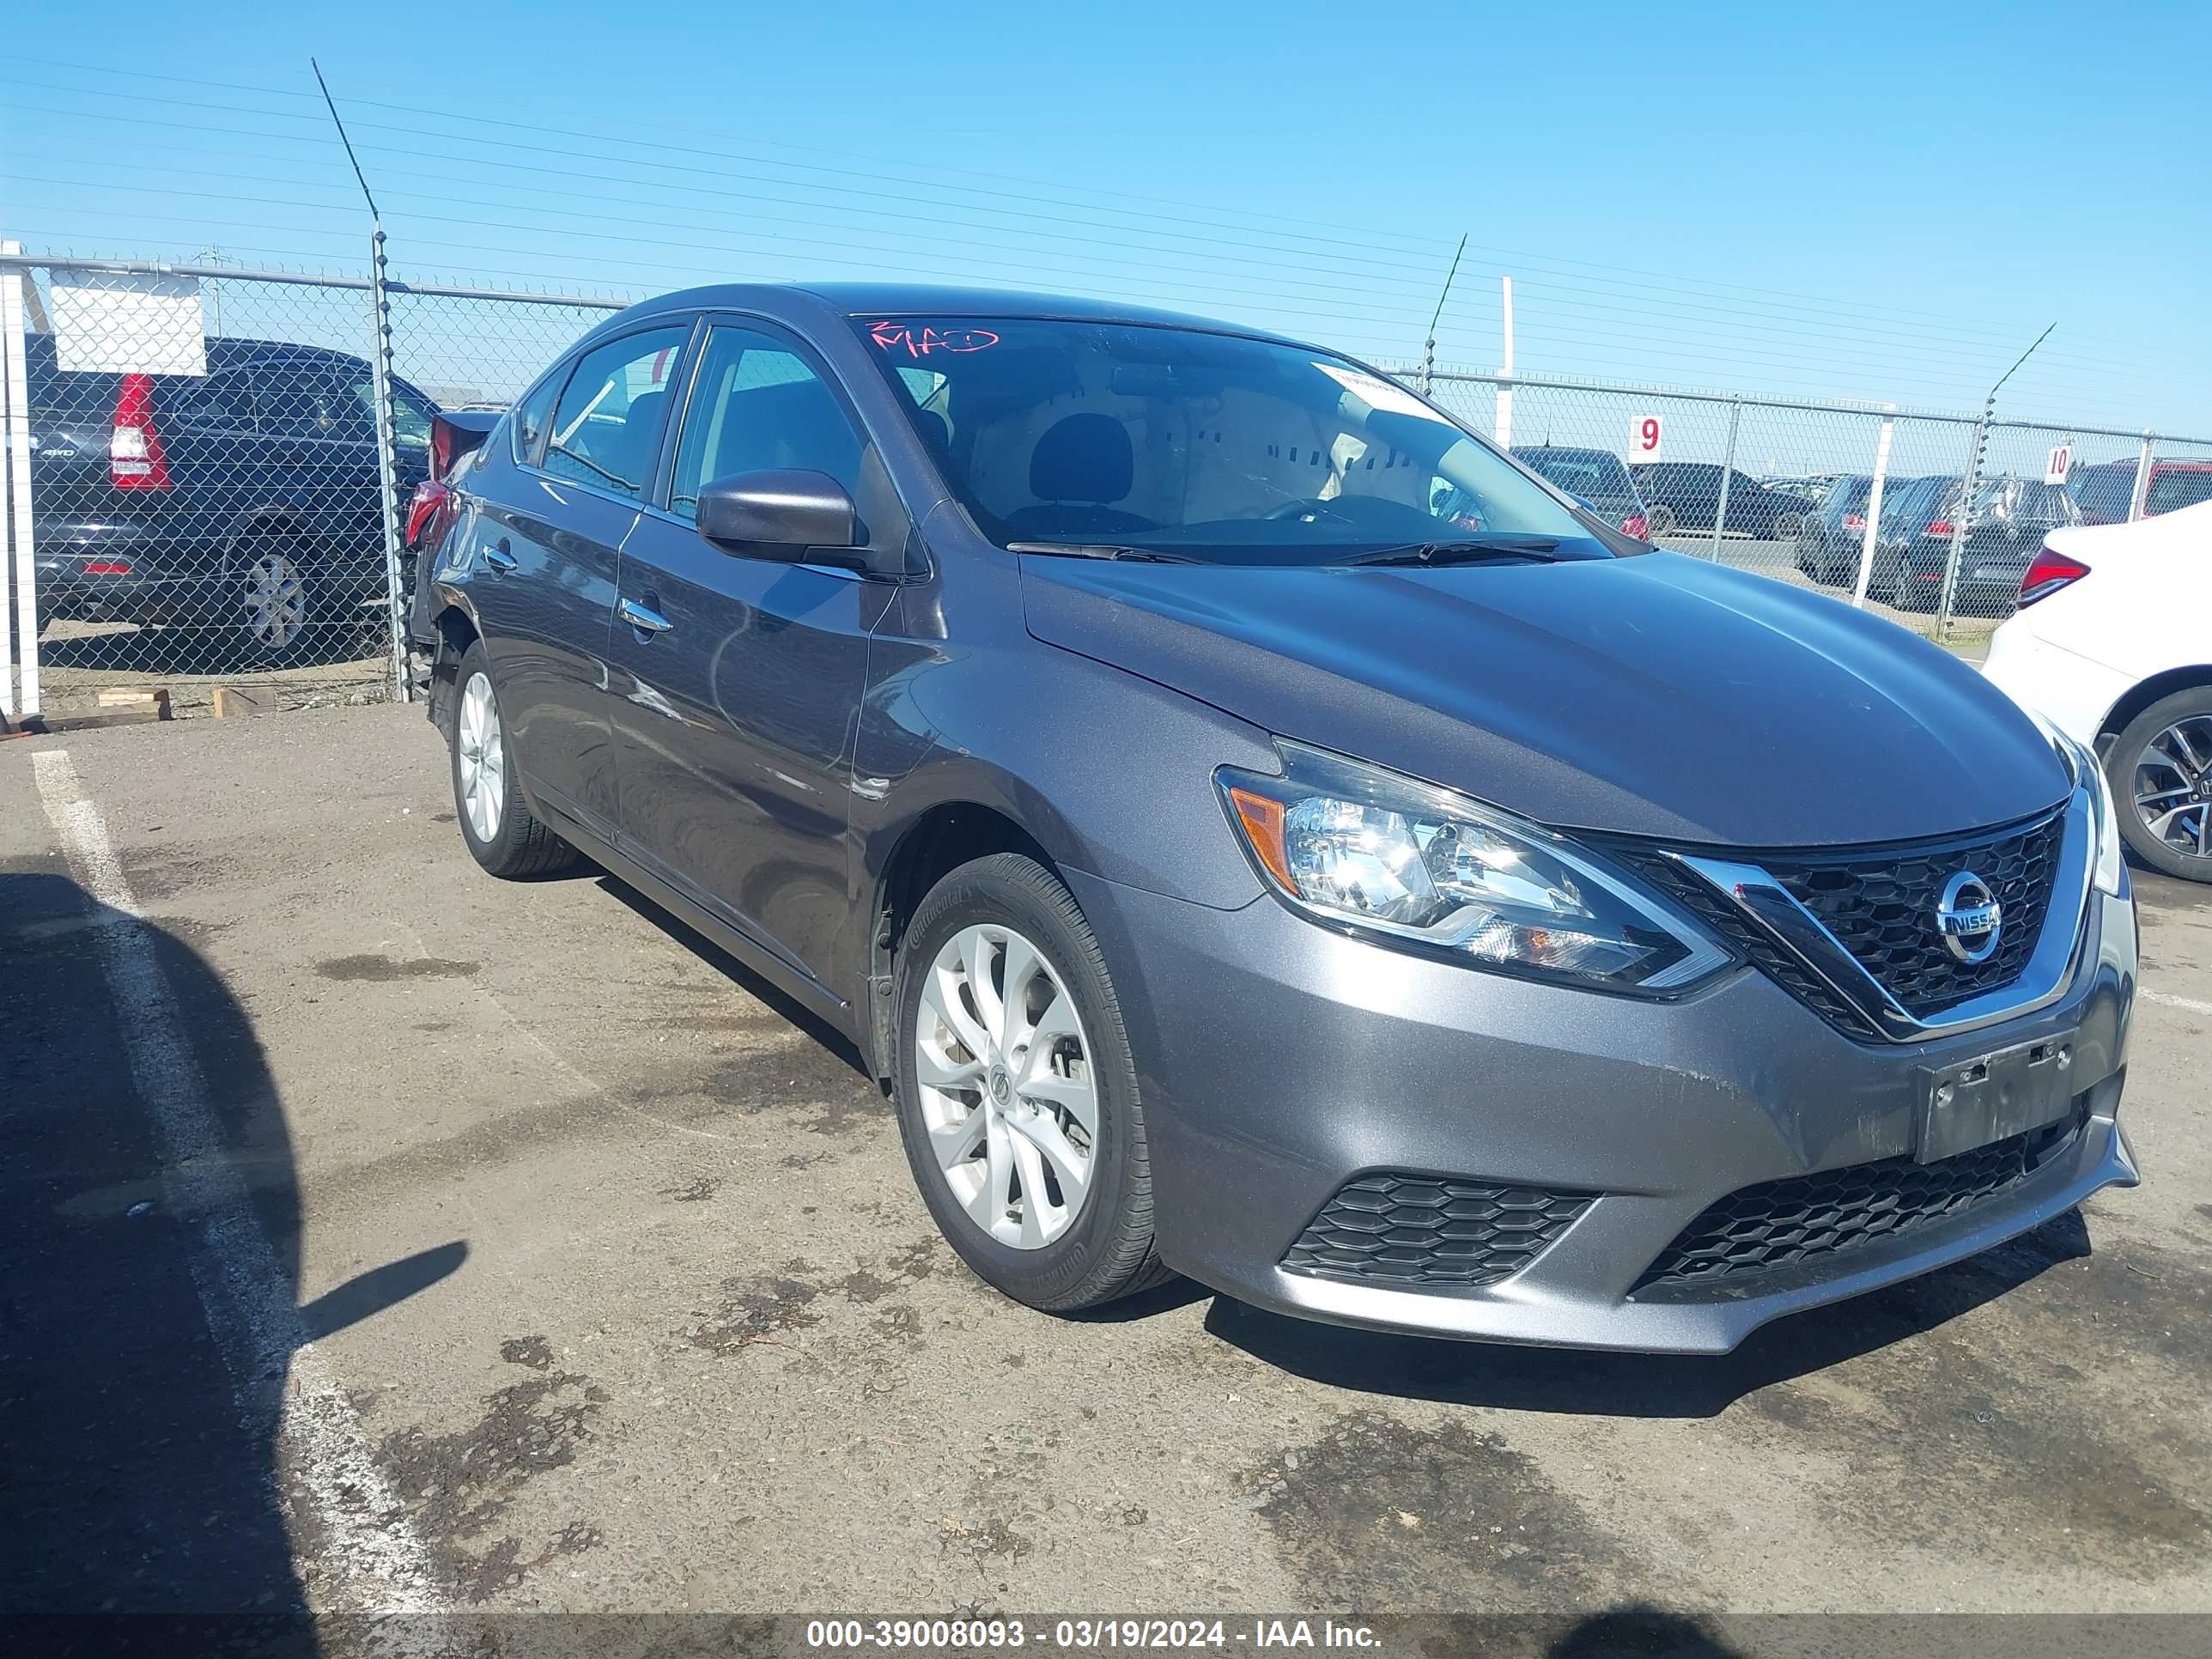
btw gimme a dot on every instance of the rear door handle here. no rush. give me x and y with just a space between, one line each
501 558
645 621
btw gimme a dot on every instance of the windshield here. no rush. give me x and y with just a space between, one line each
1215 447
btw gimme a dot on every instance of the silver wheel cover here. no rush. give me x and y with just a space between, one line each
1007 1093
481 755
2173 787
275 600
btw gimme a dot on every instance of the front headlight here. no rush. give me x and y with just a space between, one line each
1382 854
2089 775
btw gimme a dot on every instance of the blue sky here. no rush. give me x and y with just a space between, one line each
1888 205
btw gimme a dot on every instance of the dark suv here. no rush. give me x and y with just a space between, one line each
1830 535
1687 495
1596 476
244 505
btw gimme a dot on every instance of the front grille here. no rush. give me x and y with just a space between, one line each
1780 1223
1881 906
1709 905
1422 1229
1883 910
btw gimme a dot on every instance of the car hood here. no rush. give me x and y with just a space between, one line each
1655 695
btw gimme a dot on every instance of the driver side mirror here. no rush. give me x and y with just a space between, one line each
795 515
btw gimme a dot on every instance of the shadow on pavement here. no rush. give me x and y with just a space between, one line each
1643 1385
141 1476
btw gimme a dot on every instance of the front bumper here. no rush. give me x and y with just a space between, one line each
157 577
1279 1061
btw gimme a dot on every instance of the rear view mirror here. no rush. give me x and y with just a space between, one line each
798 516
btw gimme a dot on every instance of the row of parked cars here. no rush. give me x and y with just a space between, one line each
1658 498
2006 523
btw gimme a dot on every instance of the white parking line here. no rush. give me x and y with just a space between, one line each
2190 1004
375 1560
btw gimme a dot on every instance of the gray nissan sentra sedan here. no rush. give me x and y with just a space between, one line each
1255 829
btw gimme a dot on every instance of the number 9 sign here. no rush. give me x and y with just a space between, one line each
1644 438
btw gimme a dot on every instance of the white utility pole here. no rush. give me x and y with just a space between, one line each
1503 426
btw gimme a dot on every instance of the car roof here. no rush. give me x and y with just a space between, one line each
223 351
1564 449
931 299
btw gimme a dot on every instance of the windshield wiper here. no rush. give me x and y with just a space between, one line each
1471 550
1102 550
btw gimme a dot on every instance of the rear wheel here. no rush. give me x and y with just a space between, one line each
1017 1093
277 601
502 833
2161 772
1662 521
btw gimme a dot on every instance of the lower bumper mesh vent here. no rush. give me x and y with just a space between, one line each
1411 1230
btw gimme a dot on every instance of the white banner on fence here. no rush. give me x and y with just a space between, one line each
105 322
1644 435
2060 464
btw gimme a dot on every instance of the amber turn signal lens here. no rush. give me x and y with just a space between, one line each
1263 824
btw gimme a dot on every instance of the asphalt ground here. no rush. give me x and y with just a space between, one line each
379 1234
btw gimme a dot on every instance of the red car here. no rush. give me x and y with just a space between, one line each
2103 491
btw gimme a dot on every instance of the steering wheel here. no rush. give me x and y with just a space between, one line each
1308 510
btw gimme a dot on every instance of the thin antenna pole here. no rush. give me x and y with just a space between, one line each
2015 369
1428 350
1971 487
330 105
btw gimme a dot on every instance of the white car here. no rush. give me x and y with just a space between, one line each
2113 646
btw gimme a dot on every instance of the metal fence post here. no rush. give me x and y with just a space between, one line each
1727 468
1872 536
1965 511
2140 494
387 462
15 367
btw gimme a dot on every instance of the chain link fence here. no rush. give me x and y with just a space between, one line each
209 471
1931 518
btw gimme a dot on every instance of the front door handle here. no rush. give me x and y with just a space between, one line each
645 621
499 558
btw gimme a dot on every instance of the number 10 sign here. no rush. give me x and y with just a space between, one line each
1644 438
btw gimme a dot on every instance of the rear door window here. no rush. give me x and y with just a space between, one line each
605 425
221 403
314 399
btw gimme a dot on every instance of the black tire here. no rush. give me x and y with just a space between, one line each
2121 760
520 847
1107 1251
1660 521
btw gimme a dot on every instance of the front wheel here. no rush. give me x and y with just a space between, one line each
1017 1094
1661 521
2161 772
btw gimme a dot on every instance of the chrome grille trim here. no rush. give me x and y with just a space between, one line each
2049 971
